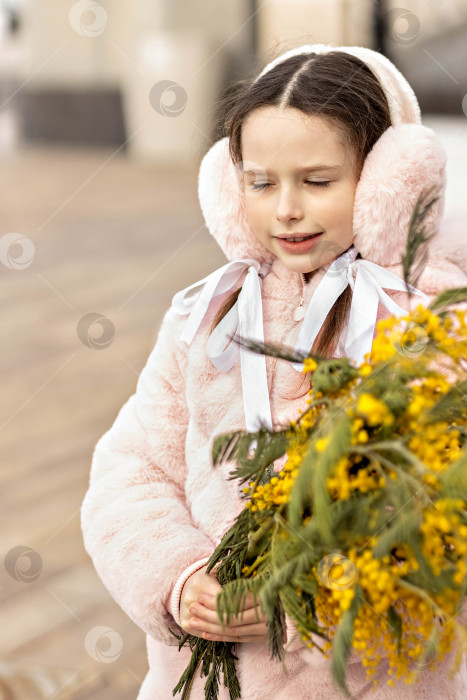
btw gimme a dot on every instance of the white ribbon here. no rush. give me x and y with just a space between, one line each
245 318
367 291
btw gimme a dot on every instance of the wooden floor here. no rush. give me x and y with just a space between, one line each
119 239
110 237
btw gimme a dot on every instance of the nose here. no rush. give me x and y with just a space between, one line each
288 206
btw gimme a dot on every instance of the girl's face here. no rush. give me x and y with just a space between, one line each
298 180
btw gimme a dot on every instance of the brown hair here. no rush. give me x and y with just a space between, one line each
334 85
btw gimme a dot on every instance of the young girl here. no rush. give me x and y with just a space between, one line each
325 145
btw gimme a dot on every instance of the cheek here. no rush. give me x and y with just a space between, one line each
339 218
254 211
346 209
347 224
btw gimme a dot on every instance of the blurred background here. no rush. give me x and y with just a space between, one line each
106 109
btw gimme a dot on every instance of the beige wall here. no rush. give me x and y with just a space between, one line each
284 24
434 16
145 41
57 55
137 44
338 22
53 53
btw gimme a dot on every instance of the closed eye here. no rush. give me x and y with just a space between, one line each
263 185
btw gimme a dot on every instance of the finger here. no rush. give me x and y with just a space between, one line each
250 603
250 613
209 590
246 617
225 638
209 601
208 598
255 614
230 638
200 612
216 628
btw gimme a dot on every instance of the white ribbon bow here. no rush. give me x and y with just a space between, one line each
245 318
367 291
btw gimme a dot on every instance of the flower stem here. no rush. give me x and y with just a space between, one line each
255 564
253 539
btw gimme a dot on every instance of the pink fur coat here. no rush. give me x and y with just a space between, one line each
156 508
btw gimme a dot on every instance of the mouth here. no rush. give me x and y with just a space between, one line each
299 244
297 238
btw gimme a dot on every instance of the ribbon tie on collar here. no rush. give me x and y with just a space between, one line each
245 318
366 293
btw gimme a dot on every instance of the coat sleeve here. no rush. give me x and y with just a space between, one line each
136 525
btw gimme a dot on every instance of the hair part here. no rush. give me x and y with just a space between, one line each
345 92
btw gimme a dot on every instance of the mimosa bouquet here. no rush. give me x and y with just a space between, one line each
361 538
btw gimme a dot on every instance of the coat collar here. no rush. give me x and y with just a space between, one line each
245 317
291 287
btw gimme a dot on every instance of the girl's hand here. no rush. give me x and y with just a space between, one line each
201 619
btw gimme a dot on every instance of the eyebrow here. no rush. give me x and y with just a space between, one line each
306 169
